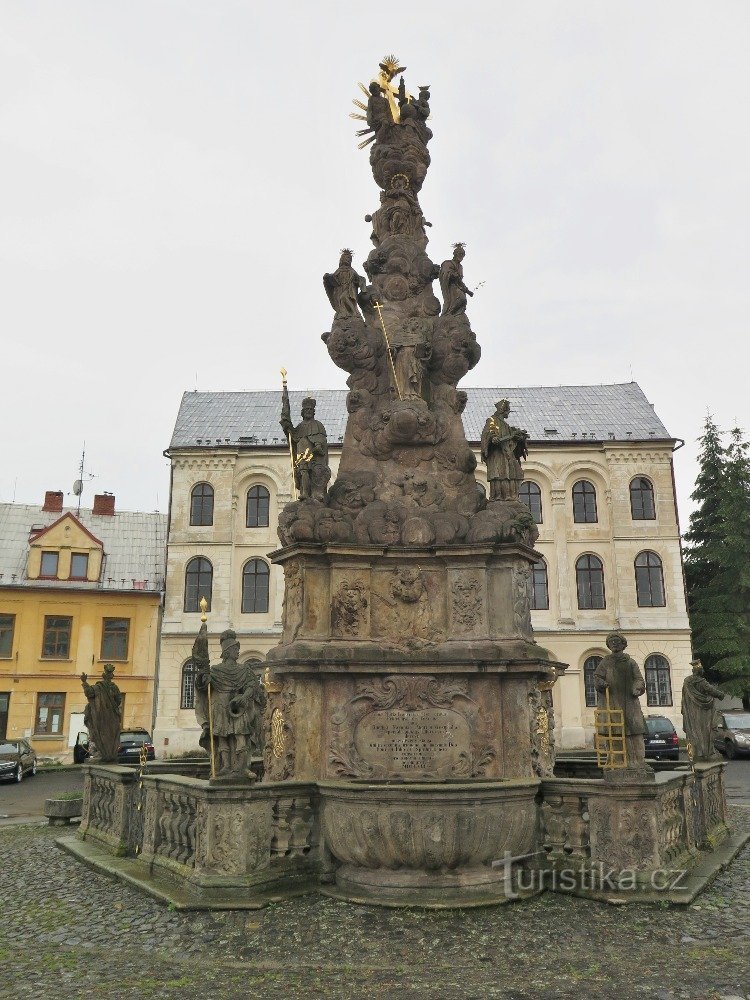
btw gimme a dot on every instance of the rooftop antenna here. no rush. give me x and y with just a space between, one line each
78 484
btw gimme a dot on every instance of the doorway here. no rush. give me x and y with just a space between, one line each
4 708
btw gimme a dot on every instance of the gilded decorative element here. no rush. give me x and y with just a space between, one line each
277 733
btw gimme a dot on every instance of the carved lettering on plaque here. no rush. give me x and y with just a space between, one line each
411 726
432 741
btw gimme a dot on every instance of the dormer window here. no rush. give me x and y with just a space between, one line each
79 566
49 564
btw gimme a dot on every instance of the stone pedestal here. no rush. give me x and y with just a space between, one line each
416 668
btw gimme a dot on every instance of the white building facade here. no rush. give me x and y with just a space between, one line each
599 482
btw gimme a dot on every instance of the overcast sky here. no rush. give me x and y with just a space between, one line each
175 177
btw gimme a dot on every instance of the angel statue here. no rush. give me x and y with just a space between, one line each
503 447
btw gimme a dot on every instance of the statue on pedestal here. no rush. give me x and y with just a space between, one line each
503 447
343 286
621 676
102 716
229 705
452 283
309 448
698 712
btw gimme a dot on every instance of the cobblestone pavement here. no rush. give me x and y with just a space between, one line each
67 932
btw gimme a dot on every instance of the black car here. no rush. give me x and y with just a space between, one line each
17 758
131 741
82 748
662 741
732 734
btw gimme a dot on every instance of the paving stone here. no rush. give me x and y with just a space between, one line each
71 933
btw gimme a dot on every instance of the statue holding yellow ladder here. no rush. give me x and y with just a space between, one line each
620 684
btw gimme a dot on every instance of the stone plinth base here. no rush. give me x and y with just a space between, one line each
430 844
629 841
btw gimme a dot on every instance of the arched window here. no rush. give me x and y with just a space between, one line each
590 582
658 681
642 507
530 494
539 586
258 499
202 504
199 577
589 670
649 580
255 578
187 686
584 502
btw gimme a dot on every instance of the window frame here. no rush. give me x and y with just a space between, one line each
539 568
208 594
77 576
262 575
4 630
258 500
658 569
527 489
111 657
585 493
187 680
653 671
650 491
58 709
208 493
589 670
49 576
589 570
58 629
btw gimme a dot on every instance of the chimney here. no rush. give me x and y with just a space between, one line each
104 504
53 501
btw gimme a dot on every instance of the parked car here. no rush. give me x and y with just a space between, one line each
732 733
82 748
17 758
662 741
131 741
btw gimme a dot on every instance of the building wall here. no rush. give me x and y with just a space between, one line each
26 674
572 634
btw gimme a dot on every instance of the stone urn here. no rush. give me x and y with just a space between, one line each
61 811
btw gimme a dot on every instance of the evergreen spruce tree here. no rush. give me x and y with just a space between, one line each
717 562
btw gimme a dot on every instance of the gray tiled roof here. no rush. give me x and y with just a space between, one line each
549 413
134 546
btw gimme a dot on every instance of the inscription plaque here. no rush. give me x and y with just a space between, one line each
430 742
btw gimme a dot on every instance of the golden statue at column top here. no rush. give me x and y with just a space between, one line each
390 68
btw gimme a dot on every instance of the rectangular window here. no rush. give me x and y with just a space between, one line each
49 564
50 712
7 627
115 632
56 641
79 566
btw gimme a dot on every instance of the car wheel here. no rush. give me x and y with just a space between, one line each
19 773
730 750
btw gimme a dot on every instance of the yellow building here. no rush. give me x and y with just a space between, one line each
77 590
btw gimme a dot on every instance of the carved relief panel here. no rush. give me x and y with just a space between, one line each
407 607
411 727
467 605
